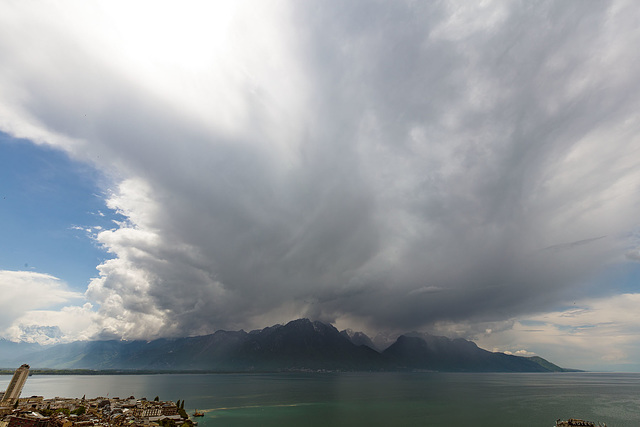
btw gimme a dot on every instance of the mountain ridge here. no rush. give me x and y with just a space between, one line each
298 345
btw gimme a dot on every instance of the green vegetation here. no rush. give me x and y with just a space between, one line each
49 412
79 411
172 423
550 366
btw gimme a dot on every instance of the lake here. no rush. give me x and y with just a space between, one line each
371 399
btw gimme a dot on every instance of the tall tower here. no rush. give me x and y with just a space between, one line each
12 393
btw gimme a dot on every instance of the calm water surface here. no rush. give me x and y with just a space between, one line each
372 399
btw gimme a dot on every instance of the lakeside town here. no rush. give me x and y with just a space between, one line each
36 411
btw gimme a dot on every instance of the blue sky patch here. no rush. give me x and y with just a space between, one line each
48 205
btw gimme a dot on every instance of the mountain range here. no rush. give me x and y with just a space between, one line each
299 345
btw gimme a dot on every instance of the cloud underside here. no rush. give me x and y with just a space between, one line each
397 164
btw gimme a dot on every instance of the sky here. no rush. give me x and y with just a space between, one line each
464 169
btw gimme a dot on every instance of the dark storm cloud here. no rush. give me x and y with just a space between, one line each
472 118
570 245
399 163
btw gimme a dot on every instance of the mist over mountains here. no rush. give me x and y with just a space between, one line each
299 345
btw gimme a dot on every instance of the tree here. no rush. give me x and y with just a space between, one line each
183 413
156 399
79 411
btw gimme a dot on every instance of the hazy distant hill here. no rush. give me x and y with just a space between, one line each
359 338
443 354
300 344
550 367
10 351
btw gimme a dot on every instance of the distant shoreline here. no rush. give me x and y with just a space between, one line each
10 371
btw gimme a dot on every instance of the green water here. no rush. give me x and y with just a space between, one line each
373 399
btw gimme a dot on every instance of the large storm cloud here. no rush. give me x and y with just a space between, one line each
394 164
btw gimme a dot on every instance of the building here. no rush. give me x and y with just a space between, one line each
169 409
146 412
28 422
14 389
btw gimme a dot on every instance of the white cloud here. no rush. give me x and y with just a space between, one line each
593 334
25 297
70 323
522 353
